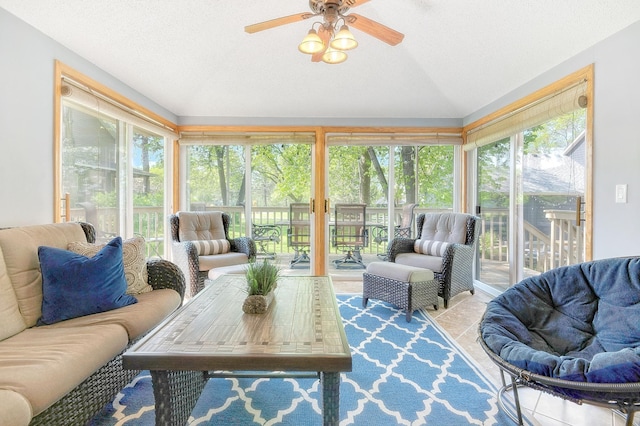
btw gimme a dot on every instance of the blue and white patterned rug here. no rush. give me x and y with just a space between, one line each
403 373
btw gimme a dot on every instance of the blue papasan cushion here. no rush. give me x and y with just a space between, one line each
74 285
578 322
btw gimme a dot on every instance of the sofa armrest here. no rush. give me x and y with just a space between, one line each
165 274
399 245
244 245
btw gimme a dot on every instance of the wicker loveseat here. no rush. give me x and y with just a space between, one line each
573 332
64 372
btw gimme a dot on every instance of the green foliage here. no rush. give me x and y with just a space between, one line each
216 174
281 174
262 277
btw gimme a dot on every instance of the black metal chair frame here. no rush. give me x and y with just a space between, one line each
624 397
264 235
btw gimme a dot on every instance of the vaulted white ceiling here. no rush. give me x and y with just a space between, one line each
194 58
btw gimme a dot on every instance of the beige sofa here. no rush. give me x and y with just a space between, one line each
64 373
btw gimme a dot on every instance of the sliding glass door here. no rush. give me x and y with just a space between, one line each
395 178
114 175
530 190
263 180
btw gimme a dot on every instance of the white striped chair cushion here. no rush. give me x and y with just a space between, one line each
206 247
430 247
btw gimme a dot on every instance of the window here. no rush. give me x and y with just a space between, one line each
112 164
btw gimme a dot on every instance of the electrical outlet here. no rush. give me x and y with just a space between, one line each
621 193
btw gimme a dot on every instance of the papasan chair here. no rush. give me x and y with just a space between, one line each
573 332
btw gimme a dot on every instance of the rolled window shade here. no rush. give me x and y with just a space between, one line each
82 97
538 112
199 138
436 138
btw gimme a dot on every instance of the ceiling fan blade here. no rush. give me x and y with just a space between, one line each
375 29
277 22
354 3
325 36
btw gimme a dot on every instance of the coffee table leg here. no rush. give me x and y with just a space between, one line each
176 393
330 398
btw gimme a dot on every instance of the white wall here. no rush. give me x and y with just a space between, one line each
616 139
26 120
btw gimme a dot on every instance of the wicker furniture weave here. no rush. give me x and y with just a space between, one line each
572 332
454 270
416 288
186 256
88 398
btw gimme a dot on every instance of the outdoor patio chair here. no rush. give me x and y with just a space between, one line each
299 233
200 242
380 233
446 244
350 233
263 235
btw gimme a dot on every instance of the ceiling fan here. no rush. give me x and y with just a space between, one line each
328 43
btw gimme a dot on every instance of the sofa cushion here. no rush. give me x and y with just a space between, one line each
420 261
20 250
15 409
398 272
11 321
200 226
449 227
219 260
43 365
137 319
430 247
74 285
209 247
133 258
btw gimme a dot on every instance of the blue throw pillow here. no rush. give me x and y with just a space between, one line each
74 285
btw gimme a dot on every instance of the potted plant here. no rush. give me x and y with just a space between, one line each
262 279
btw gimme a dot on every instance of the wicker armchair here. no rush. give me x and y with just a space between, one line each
446 244
188 229
88 398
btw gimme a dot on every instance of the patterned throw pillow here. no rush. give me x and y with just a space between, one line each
430 247
133 257
206 247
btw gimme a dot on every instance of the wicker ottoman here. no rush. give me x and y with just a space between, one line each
407 287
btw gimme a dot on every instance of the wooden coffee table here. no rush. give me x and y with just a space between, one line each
210 336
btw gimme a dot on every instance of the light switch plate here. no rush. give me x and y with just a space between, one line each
621 193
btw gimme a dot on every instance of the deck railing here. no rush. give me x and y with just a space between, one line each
564 245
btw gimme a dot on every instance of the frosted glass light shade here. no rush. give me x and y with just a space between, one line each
344 40
333 56
312 43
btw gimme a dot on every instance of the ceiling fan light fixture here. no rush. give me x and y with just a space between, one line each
344 39
312 43
334 56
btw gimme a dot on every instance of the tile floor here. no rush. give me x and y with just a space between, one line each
461 320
